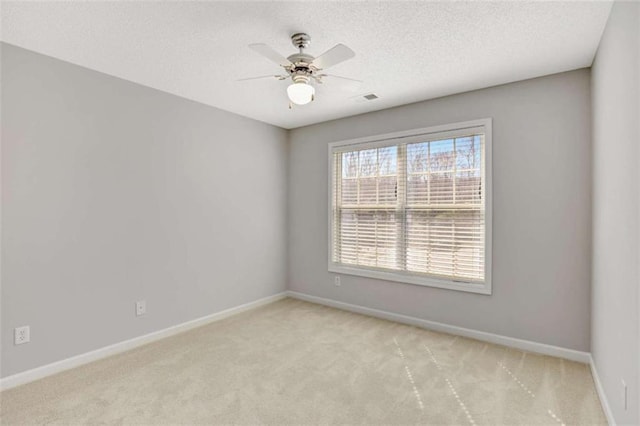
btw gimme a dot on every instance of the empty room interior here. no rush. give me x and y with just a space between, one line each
320 212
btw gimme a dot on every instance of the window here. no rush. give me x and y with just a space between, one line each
414 207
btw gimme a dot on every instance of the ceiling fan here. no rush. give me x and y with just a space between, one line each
303 68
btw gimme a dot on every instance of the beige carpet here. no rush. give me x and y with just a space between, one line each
293 362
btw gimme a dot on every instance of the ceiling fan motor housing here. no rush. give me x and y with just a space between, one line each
301 66
301 58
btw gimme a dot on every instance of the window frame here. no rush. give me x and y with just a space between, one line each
412 136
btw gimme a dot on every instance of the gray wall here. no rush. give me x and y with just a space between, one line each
616 210
113 192
541 212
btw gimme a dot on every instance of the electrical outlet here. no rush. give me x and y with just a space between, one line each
624 395
336 281
141 307
22 335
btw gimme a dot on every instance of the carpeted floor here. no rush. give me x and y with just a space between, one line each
293 362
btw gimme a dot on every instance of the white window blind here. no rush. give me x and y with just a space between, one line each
412 206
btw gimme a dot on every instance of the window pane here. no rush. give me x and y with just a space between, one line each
468 187
441 188
350 164
368 162
369 238
466 153
349 191
388 160
369 177
418 157
387 190
418 189
441 156
368 190
446 243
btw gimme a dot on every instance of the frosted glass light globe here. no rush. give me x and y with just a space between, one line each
300 93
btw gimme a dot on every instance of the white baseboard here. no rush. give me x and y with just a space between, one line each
78 360
512 342
600 390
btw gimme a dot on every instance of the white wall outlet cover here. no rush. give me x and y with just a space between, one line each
336 281
141 307
22 335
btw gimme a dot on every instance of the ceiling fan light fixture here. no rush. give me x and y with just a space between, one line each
302 67
301 93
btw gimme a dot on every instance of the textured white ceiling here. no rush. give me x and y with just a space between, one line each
405 51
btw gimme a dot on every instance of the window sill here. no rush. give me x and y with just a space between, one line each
408 278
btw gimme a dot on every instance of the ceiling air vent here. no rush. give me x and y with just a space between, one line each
364 98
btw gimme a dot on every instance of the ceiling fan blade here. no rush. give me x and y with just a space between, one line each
342 83
279 77
270 54
333 56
